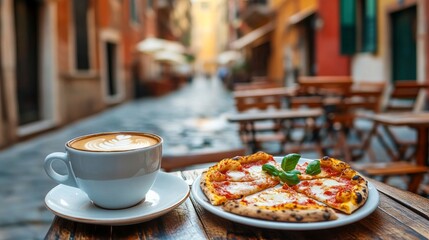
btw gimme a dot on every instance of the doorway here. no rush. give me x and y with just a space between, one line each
404 44
307 46
111 69
27 37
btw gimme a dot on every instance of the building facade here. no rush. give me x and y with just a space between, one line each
64 60
370 40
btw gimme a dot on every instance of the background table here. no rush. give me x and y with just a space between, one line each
248 119
400 215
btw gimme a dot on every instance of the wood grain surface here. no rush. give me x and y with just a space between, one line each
400 215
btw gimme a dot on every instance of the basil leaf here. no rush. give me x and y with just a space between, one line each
270 169
289 178
294 172
289 161
313 168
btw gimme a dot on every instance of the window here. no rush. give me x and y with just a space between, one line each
149 4
358 24
80 20
134 13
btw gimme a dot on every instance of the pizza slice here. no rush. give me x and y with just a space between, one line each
280 204
330 167
236 177
345 193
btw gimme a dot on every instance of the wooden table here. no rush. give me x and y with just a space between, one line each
280 91
400 215
249 118
416 170
416 120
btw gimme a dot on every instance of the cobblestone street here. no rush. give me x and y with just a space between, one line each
190 119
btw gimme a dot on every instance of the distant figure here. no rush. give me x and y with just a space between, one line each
222 73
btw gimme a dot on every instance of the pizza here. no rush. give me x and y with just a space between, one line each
257 186
237 177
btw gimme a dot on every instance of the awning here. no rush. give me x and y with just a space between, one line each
153 45
253 36
229 56
300 16
170 57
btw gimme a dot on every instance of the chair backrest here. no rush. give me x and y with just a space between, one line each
407 96
366 96
245 103
306 102
314 90
257 83
172 162
325 85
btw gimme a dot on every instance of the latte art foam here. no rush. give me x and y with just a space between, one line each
111 142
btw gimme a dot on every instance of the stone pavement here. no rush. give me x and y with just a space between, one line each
190 119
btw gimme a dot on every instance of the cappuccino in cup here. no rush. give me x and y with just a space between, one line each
115 169
111 142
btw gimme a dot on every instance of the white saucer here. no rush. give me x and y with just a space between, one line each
167 193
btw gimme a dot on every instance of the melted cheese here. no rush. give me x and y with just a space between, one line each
235 175
271 197
330 183
239 187
320 191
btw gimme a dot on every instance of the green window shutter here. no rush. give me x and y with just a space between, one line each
369 31
348 26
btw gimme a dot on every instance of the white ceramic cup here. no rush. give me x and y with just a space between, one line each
113 175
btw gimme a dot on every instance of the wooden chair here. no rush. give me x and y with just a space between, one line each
405 96
314 92
363 97
269 131
172 162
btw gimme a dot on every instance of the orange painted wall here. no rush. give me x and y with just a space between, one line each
63 29
103 14
281 37
328 57
132 33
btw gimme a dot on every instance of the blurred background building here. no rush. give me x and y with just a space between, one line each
63 60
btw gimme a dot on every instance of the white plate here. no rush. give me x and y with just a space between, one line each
343 219
167 193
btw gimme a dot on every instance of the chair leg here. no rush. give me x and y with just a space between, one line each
366 144
342 139
415 180
384 179
386 147
317 141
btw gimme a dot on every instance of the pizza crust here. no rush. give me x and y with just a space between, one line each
281 204
208 189
284 215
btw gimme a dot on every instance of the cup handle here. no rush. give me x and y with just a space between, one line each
67 179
